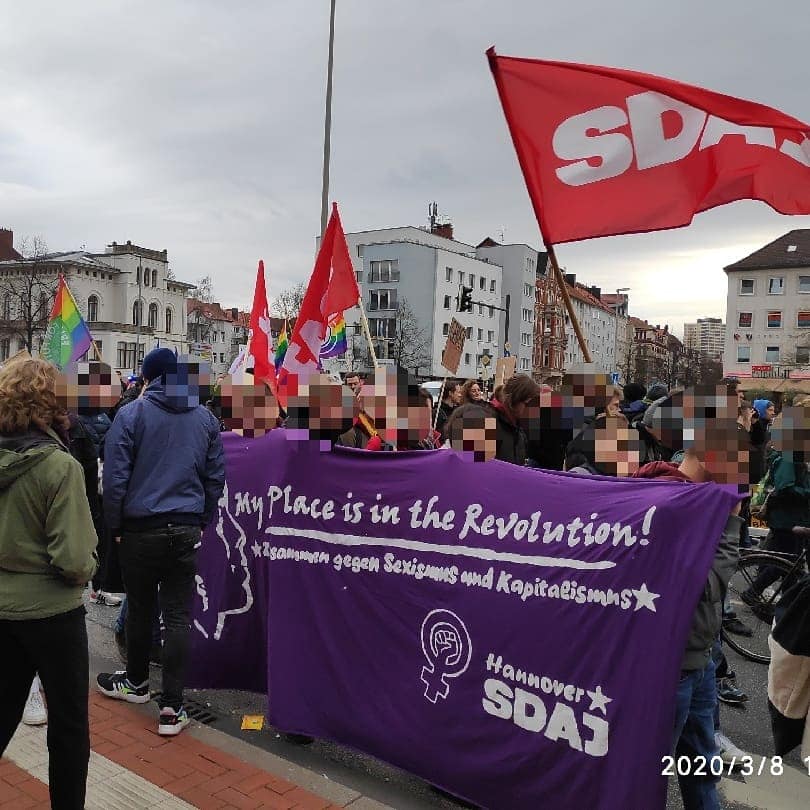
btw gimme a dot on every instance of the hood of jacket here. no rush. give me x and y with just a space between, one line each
20 453
661 469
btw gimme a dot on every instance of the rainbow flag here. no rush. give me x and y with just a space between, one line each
67 337
281 347
334 343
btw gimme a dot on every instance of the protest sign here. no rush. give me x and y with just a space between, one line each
505 369
453 347
474 624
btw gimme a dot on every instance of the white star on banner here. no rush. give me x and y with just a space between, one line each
256 549
599 700
645 598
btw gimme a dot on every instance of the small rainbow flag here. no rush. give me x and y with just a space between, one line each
281 347
334 343
67 337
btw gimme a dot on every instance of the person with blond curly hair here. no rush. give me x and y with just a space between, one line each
47 555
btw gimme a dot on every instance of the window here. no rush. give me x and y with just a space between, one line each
774 320
137 313
771 354
5 348
467 359
743 354
472 281
490 336
168 320
460 277
804 284
480 309
383 327
358 274
92 308
526 315
360 251
145 277
803 355
745 320
525 339
447 302
153 316
221 357
445 329
448 273
803 320
746 286
491 312
385 271
154 278
382 299
776 285
482 283
480 334
492 285
138 276
527 290
6 307
469 333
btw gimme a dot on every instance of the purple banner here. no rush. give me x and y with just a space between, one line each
510 635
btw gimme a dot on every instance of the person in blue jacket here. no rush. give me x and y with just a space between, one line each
164 471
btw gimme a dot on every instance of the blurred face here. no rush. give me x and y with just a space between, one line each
248 408
612 407
617 448
87 388
475 392
478 437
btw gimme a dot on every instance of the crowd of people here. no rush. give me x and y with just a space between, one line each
110 482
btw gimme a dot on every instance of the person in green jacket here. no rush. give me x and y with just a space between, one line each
47 555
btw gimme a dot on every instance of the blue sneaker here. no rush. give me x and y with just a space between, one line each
116 685
172 722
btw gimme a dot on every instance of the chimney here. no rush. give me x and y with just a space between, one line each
444 229
235 314
596 292
570 279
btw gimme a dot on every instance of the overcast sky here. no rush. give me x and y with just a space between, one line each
197 126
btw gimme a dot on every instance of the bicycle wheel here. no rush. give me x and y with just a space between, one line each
755 609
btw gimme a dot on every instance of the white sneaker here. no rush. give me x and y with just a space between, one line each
106 599
35 713
727 751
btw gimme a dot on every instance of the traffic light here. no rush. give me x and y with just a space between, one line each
465 302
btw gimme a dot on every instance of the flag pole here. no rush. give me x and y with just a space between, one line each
552 258
327 124
367 332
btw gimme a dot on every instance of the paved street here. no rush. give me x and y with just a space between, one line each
748 727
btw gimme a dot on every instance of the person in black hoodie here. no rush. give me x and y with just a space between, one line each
453 396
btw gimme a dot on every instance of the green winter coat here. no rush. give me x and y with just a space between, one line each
47 539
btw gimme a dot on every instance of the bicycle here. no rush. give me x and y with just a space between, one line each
756 609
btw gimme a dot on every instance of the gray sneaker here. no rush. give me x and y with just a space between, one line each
727 751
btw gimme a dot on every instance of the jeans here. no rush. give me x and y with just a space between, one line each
56 648
165 559
121 622
693 735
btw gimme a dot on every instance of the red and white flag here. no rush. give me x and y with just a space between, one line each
331 290
608 151
261 343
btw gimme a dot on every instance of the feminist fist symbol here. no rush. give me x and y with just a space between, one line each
447 647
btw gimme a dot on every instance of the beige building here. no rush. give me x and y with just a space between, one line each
707 336
768 311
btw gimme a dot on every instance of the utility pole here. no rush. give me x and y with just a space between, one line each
327 126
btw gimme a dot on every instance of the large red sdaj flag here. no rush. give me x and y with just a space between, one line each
607 151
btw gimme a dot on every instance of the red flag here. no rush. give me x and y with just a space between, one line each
331 290
261 344
607 151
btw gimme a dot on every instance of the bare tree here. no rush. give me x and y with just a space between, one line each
287 304
27 290
409 346
205 290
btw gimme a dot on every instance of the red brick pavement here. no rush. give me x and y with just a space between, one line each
198 773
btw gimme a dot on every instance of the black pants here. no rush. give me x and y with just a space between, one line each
785 542
56 648
165 557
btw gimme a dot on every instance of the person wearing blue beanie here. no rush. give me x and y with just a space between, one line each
765 408
157 363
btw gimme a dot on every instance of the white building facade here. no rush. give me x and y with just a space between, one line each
602 329
768 311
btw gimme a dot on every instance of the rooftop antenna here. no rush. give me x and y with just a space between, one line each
433 213
502 233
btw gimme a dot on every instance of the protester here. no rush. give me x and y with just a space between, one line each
607 447
163 475
760 435
453 397
633 405
133 391
508 406
247 407
655 392
323 408
711 453
354 381
47 550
